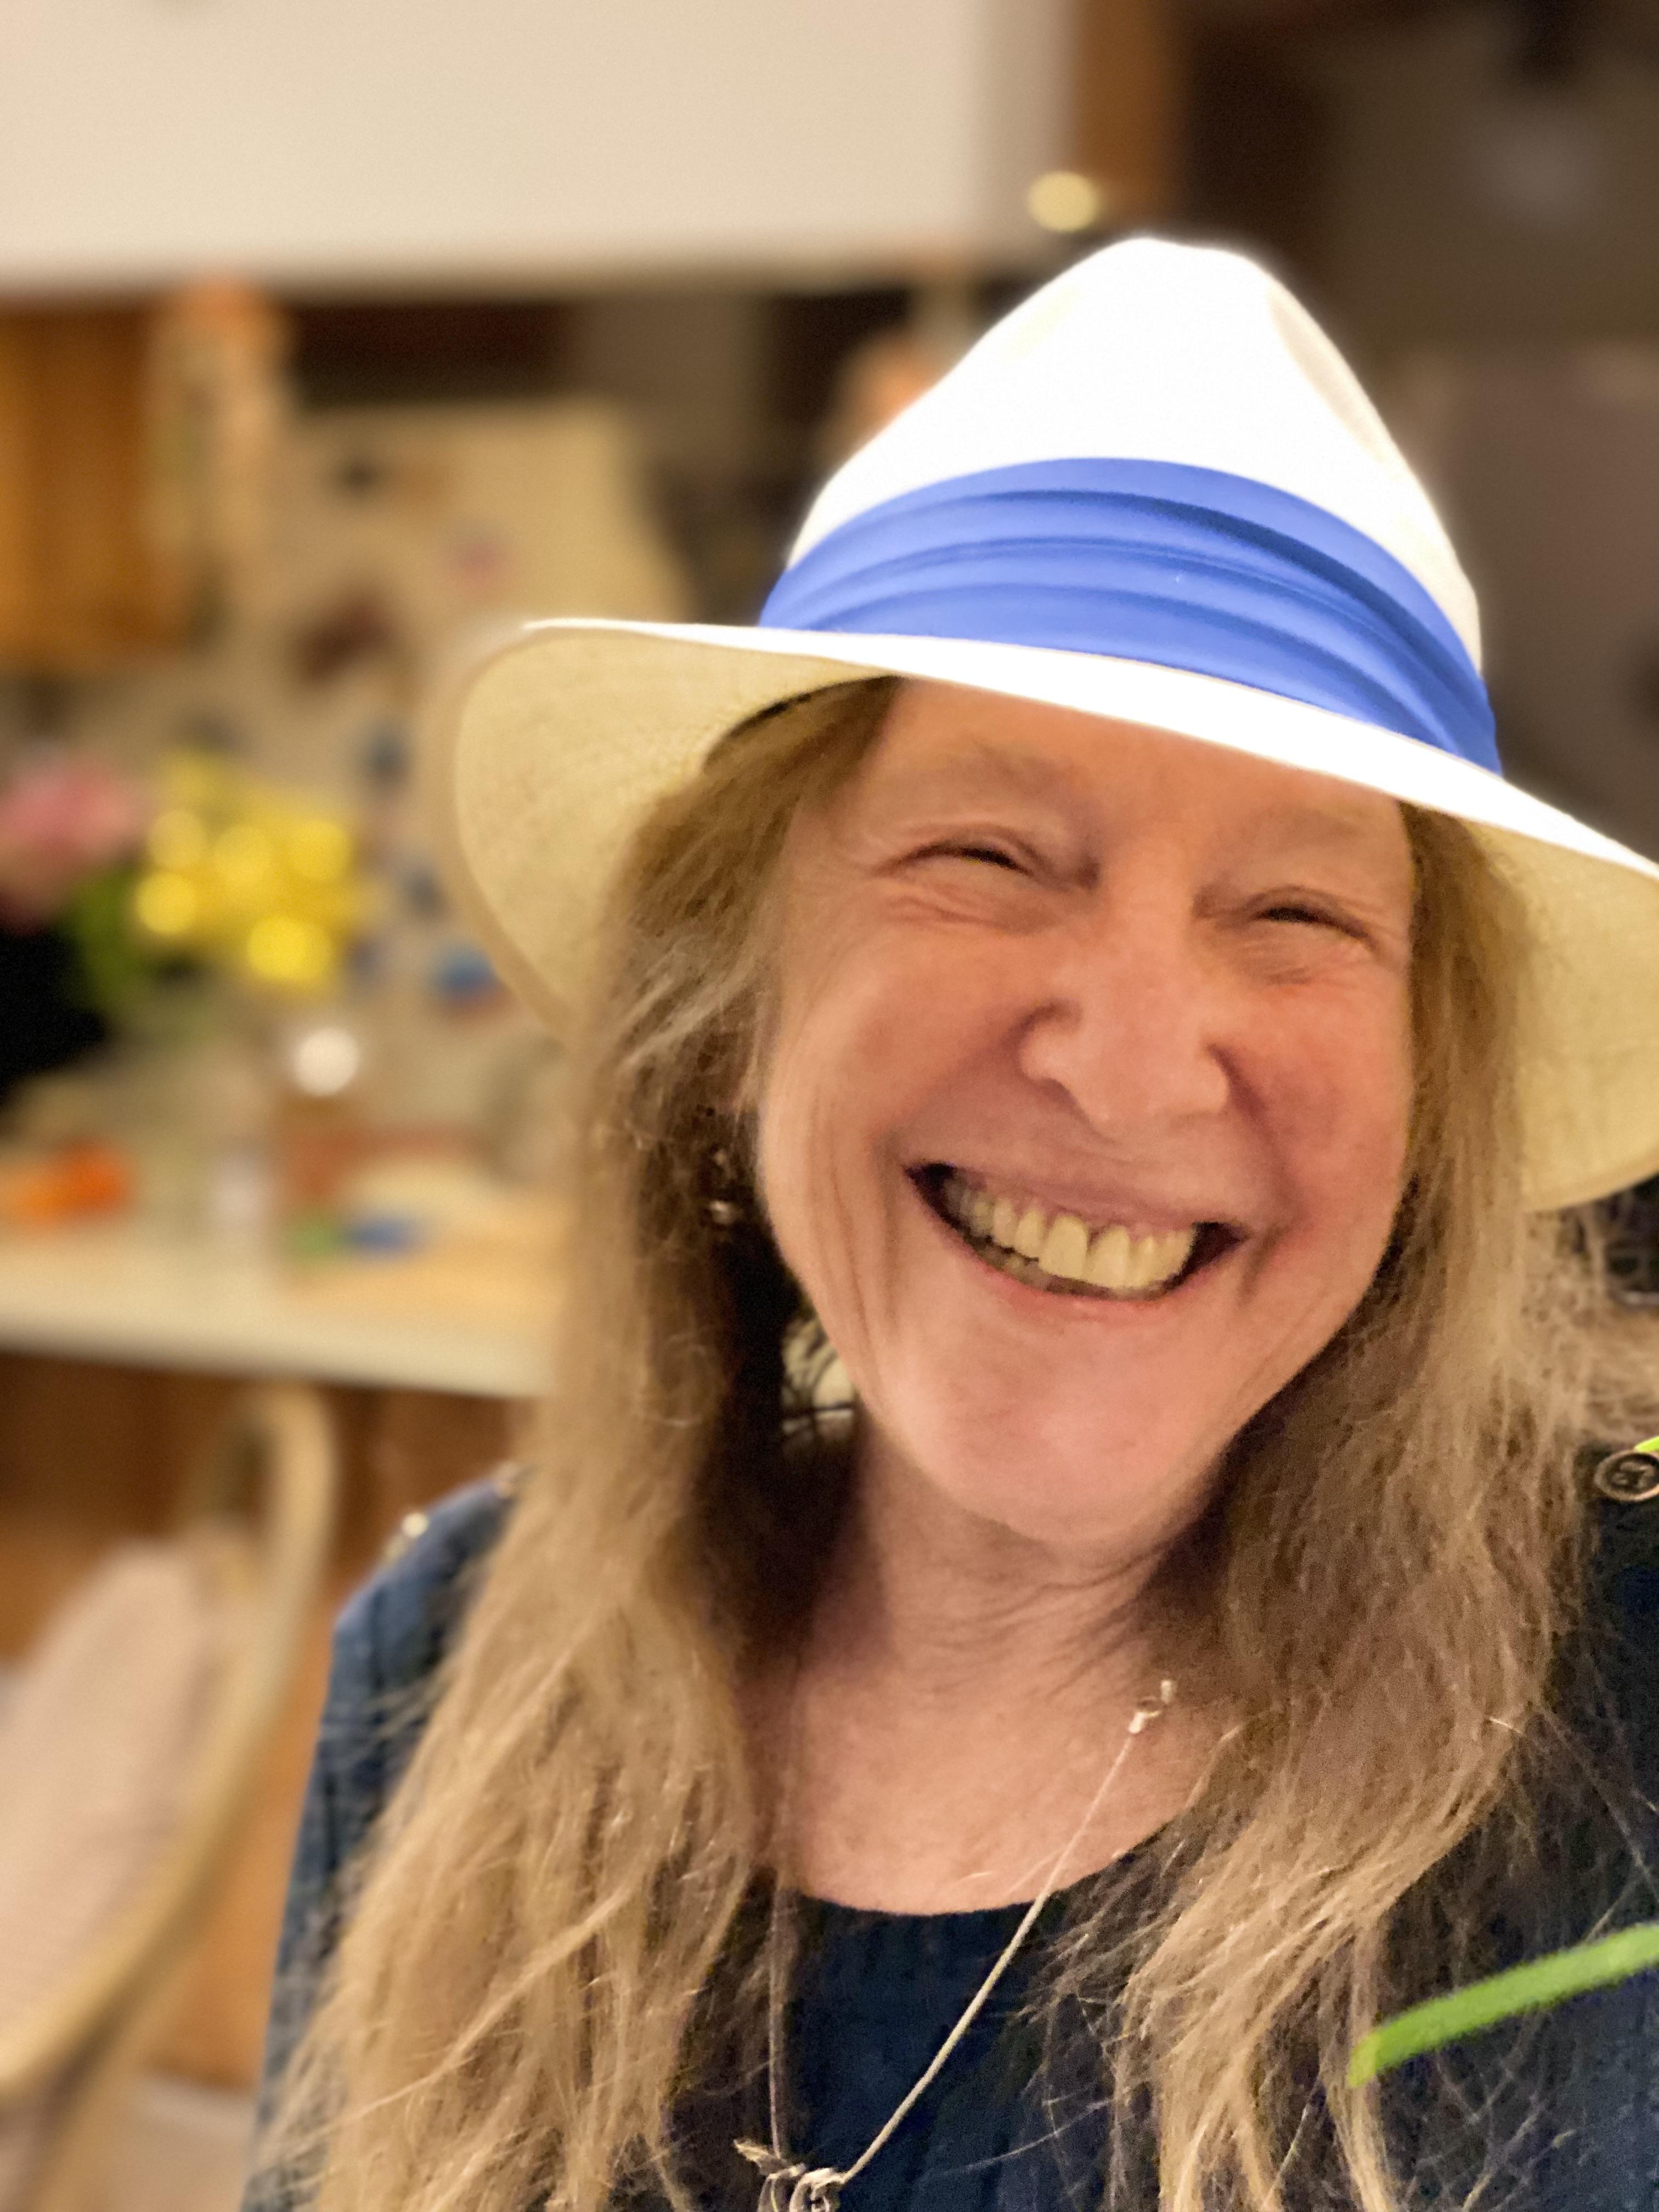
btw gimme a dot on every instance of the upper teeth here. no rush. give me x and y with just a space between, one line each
1107 1258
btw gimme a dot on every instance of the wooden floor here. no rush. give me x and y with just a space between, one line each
91 1455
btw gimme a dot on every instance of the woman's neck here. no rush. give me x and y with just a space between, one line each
959 1694
939 1604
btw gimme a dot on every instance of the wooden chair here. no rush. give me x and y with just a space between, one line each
128 1750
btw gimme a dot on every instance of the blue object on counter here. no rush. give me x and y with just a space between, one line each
461 974
382 1233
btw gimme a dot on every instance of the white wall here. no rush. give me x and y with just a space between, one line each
473 143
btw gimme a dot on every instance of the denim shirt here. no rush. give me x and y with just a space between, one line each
1558 2112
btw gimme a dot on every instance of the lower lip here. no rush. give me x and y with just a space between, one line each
1031 1294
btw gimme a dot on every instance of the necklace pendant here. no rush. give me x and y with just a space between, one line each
786 2185
781 2179
818 2191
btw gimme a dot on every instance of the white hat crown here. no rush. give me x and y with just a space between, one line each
1149 350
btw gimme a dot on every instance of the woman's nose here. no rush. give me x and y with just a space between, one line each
1132 1020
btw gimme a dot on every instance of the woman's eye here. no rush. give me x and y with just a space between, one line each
994 856
1308 917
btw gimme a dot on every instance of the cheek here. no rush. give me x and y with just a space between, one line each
822 1104
1339 1110
864 1044
870 1026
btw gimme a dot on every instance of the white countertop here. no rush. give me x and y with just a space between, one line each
473 1322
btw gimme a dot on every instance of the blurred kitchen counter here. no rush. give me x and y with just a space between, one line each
469 1314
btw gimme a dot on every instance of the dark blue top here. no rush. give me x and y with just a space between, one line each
1560 2112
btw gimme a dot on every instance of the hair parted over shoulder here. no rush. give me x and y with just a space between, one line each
1395 1560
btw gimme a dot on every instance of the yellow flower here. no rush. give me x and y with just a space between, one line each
260 880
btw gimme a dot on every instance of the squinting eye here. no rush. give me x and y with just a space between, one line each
993 855
1308 917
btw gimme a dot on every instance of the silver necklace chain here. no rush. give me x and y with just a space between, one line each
789 2185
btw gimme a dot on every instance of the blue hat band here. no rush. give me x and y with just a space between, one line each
1153 561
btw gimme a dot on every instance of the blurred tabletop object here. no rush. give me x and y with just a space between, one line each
467 1313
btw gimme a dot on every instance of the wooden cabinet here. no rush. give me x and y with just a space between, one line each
83 585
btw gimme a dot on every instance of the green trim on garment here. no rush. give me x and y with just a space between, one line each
1529 1988
1651 1448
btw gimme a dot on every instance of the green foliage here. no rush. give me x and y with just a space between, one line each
117 966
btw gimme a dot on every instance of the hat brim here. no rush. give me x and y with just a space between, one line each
544 752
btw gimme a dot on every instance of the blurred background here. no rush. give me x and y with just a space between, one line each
333 332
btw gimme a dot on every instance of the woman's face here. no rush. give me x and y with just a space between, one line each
1138 1005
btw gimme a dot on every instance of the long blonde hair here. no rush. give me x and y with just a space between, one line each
1396 1557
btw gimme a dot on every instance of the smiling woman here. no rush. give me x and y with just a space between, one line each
1148 1070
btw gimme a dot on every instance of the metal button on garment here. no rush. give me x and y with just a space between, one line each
408 1531
1630 1477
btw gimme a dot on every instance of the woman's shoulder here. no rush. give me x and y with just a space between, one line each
395 1630
1624 1623
1627 1550
389 1643
1573 2086
1625 1573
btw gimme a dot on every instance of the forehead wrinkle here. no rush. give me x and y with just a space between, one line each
979 760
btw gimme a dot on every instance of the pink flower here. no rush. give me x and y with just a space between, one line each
63 819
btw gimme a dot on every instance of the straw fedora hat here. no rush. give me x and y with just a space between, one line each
1154 493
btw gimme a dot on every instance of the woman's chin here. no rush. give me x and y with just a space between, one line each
1062 1452
1114 1490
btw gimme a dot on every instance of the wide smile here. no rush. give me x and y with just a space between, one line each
1062 1253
